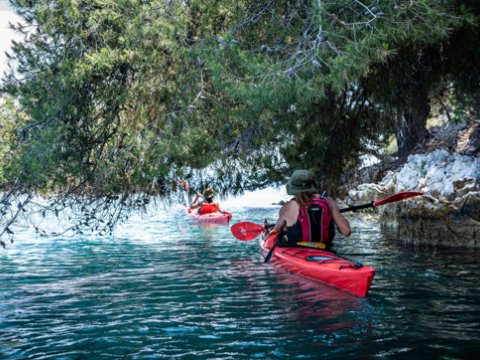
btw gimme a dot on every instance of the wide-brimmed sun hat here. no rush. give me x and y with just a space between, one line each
301 181
209 192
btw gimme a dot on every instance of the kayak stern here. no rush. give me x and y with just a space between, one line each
320 265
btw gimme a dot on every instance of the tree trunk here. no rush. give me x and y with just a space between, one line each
412 123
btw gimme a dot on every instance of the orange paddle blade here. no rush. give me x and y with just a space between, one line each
183 184
397 197
246 230
390 199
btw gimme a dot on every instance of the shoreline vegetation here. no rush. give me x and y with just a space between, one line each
106 103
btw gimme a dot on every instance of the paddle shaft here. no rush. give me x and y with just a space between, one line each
358 207
392 198
187 187
270 253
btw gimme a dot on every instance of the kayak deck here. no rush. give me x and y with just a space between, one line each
321 265
222 217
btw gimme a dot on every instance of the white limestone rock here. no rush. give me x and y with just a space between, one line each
449 212
439 174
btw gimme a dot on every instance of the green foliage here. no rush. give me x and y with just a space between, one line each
8 139
347 68
118 98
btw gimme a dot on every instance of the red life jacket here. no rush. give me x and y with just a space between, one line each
208 208
316 221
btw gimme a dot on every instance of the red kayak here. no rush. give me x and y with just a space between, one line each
320 265
222 217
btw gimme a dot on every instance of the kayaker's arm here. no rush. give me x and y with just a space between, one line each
195 203
284 213
279 226
342 224
281 222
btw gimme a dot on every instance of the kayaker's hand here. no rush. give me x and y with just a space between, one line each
272 232
332 204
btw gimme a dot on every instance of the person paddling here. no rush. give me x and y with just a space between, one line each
207 206
309 216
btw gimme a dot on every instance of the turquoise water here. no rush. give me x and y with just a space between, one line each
166 287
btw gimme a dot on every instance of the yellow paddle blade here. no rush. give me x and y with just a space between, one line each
316 245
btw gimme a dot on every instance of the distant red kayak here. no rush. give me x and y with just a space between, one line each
320 265
222 217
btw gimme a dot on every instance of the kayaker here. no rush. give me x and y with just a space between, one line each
206 206
308 216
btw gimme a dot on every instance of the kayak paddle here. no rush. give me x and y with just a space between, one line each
247 231
186 187
390 199
270 253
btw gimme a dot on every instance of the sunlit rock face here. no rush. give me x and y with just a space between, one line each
448 214
440 174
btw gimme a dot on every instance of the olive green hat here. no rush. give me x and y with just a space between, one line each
209 192
301 181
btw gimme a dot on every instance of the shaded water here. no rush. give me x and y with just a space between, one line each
167 288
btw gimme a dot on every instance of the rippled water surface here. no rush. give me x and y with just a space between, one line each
166 287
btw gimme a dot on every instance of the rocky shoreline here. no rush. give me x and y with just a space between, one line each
447 171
